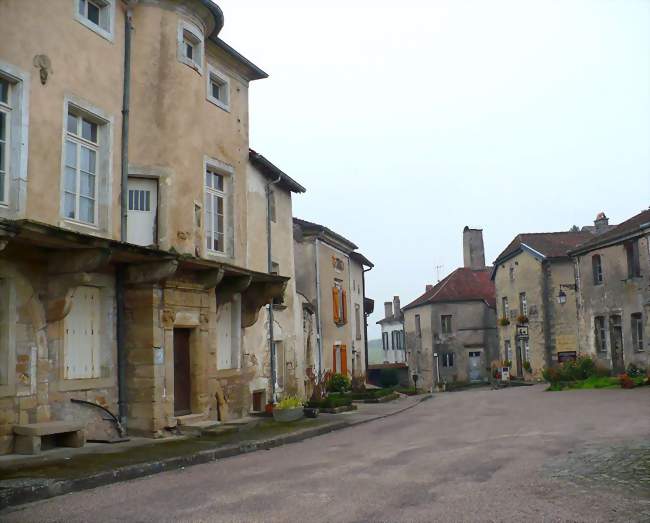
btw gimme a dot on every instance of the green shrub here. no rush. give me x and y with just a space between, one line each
527 366
585 367
338 383
370 394
552 375
331 402
634 371
388 378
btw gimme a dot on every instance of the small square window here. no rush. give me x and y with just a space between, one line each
96 15
218 89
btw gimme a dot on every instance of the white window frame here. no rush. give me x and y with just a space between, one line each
109 6
104 167
216 74
637 332
186 29
227 172
15 194
6 109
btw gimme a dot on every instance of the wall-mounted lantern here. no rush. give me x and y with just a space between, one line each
561 297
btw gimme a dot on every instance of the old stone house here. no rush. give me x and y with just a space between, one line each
270 217
392 333
330 274
536 299
451 328
613 277
124 261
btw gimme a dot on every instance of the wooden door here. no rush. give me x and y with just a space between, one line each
616 339
520 367
182 401
143 207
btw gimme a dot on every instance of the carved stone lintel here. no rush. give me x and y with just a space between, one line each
60 292
211 278
256 296
231 286
150 272
78 260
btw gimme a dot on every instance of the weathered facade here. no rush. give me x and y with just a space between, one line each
613 276
451 328
330 275
536 300
125 270
392 333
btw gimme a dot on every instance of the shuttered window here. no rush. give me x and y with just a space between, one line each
82 335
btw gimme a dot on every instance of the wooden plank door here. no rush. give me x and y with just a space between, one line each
182 402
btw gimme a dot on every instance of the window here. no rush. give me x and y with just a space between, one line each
447 359
357 319
597 269
5 126
218 88
97 15
418 329
637 331
523 304
215 210
599 334
139 200
505 308
384 340
82 335
339 303
445 322
507 350
81 170
190 47
511 273
633 262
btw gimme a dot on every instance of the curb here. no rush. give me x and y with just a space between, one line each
36 490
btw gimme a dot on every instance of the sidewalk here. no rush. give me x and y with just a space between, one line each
24 479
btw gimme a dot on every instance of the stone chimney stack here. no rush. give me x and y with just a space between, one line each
388 309
396 306
473 250
428 288
601 223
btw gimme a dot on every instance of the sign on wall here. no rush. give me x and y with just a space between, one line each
522 331
566 356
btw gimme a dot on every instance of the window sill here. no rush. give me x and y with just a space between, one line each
105 34
86 384
279 307
219 103
191 64
84 228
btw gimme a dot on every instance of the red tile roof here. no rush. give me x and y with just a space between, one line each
549 244
630 226
461 285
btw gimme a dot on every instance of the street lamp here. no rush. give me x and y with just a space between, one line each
561 297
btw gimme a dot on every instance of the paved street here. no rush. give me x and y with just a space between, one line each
480 455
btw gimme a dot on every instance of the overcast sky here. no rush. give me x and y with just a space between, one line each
408 120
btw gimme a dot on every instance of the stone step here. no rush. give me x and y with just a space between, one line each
199 427
189 419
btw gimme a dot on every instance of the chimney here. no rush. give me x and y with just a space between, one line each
388 309
473 250
601 223
428 288
396 306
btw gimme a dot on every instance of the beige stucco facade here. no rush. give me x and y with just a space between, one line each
173 287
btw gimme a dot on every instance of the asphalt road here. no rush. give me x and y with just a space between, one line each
481 455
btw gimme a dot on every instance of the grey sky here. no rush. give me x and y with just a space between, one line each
408 120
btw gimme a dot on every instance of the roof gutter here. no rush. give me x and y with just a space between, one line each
612 241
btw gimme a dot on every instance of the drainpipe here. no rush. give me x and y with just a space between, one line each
119 276
319 325
365 316
269 192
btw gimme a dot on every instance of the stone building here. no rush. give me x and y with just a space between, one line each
124 261
613 277
270 191
451 328
536 299
392 333
330 274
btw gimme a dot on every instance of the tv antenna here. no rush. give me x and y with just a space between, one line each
438 268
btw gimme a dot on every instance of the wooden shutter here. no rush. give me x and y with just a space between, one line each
334 359
344 359
344 305
335 305
82 337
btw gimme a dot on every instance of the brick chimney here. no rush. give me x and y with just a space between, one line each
428 288
388 309
473 250
601 223
396 306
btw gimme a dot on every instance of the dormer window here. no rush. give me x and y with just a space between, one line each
218 88
97 15
190 46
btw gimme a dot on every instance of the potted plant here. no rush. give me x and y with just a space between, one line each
522 319
289 409
527 367
504 321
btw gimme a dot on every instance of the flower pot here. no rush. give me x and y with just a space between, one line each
286 415
310 412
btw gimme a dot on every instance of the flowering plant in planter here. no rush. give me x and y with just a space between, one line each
528 367
522 319
504 321
288 409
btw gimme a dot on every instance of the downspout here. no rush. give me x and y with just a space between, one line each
319 325
270 269
365 317
119 276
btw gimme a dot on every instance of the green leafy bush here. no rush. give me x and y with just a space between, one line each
338 383
634 371
331 402
580 369
527 366
370 394
290 402
388 378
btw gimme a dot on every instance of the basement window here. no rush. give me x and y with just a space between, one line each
97 15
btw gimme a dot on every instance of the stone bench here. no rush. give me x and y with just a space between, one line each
29 438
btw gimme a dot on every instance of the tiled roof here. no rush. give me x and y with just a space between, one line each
463 284
621 230
271 172
549 244
321 229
